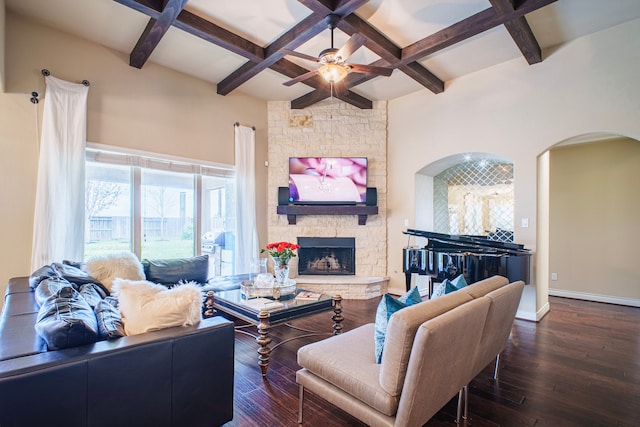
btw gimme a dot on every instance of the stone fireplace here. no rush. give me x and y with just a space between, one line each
332 128
327 256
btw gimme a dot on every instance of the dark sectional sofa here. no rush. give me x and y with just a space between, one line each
179 376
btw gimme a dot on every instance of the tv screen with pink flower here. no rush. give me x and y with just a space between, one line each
327 180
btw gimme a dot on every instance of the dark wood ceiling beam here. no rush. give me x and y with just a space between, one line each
309 27
212 33
154 31
469 27
381 46
151 8
455 33
200 27
322 91
520 32
305 30
390 52
318 95
376 41
208 31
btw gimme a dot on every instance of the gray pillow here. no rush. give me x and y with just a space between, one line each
172 271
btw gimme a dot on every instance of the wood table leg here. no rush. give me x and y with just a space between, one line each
209 311
263 341
337 316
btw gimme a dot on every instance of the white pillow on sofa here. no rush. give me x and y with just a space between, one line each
146 306
106 268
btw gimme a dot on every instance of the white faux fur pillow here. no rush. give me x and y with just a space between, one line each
146 306
106 268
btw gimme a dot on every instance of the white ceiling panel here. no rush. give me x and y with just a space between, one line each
262 21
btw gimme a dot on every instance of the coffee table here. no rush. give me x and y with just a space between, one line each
233 302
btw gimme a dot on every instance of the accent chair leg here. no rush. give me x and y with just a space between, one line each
300 400
497 368
459 412
466 402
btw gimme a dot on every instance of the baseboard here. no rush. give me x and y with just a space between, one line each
632 302
530 315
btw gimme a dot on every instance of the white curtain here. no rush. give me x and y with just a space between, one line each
58 228
246 244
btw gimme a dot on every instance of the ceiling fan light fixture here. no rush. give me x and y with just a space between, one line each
333 73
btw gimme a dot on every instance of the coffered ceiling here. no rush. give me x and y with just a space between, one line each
243 45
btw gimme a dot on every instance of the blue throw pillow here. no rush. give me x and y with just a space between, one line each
387 306
454 285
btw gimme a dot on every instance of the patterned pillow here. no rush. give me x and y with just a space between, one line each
455 284
387 306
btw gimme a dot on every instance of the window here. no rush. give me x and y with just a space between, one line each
159 208
107 209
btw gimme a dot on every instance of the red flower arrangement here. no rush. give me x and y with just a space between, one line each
282 251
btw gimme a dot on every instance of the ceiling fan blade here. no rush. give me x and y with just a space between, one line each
340 89
300 78
370 69
300 55
353 44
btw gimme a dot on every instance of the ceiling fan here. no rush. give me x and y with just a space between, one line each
333 66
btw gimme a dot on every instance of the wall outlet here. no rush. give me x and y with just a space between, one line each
525 222
554 276
406 222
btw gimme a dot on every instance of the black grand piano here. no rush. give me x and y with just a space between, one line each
476 257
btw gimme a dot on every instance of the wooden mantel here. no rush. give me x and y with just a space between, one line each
292 211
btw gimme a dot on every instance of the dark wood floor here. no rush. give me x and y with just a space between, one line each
579 366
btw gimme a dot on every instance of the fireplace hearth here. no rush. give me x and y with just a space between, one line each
327 256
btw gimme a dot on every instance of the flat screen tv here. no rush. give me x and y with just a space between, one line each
327 180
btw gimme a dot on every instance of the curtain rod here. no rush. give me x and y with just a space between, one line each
34 95
46 73
238 124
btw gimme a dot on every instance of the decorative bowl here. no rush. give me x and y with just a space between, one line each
251 291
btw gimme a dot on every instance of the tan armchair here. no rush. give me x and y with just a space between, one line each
426 359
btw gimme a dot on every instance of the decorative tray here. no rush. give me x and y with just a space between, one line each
249 289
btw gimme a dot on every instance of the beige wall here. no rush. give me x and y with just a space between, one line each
594 222
516 111
154 109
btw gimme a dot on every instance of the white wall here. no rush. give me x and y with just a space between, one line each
153 109
517 111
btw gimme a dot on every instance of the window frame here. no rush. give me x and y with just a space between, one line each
138 160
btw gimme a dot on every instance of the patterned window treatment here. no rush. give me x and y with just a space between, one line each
246 246
58 228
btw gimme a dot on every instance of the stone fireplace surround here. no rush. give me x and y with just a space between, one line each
332 128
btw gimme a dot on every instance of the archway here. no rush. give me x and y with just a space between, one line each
589 210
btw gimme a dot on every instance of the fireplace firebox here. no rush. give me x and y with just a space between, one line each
327 256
